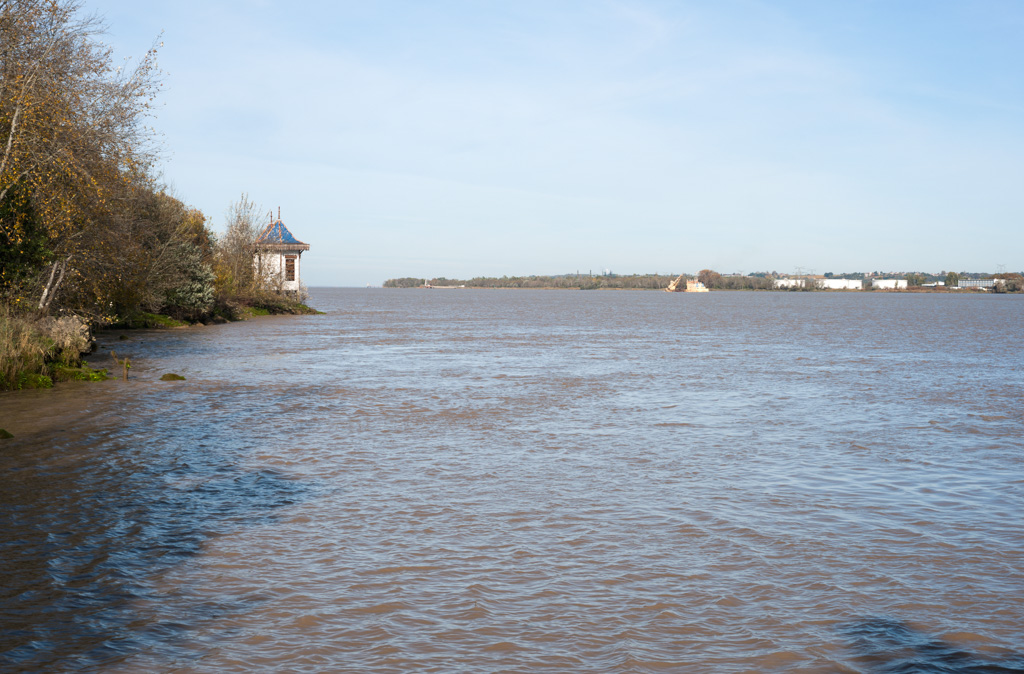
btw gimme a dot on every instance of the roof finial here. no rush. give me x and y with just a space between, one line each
278 213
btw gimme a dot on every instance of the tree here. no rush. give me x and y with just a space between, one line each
23 256
1009 283
193 296
708 277
235 271
71 134
406 282
136 258
952 279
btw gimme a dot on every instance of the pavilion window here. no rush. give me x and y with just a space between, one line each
289 267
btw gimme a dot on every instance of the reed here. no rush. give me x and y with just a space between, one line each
24 351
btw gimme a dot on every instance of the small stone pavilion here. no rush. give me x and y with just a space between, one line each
277 255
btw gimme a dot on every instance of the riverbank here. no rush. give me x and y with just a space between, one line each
39 352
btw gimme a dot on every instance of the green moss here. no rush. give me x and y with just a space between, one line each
84 373
160 321
29 380
143 320
170 376
278 305
4 435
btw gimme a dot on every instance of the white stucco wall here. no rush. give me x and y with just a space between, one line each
889 283
273 267
841 284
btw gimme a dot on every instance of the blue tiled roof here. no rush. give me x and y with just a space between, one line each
276 232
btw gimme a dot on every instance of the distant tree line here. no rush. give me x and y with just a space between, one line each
710 278
1011 282
406 282
715 281
566 281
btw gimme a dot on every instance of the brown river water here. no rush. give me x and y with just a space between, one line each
530 481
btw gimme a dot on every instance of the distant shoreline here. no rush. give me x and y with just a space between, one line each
913 290
711 280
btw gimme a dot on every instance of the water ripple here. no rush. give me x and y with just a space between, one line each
483 481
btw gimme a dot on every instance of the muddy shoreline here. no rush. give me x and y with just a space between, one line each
28 412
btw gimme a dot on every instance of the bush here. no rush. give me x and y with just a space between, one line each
84 373
70 337
23 349
193 297
278 304
32 351
144 321
32 380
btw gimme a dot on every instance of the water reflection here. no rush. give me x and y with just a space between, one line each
85 536
889 646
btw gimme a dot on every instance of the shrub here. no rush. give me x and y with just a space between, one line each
32 380
193 297
84 373
23 349
70 337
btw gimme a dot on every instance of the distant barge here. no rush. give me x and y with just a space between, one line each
691 286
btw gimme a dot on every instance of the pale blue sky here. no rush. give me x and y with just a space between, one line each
462 138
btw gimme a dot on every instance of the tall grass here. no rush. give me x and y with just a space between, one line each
23 350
